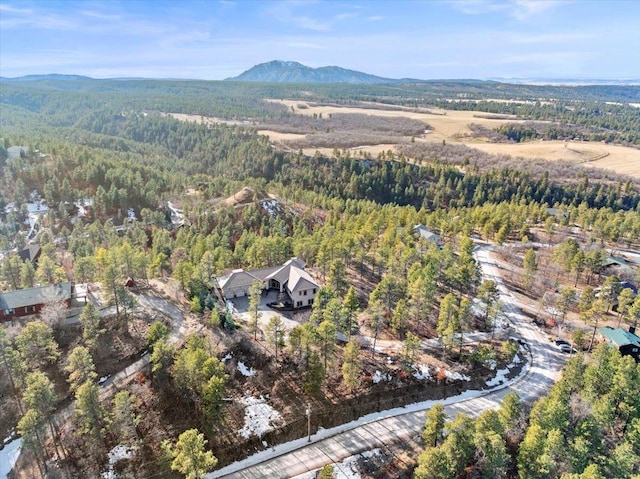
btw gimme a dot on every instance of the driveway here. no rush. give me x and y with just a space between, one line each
241 313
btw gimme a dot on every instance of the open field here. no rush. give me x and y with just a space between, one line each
277 136
373 150
620 159
452 126
207 120
446 124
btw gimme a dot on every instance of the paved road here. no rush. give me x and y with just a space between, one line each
405 424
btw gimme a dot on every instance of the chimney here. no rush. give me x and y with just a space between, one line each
632 329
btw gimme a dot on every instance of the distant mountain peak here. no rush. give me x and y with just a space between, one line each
49 76
281 71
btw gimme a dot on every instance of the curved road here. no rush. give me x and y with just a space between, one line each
405 424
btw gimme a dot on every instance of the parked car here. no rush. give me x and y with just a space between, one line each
566 348
562 341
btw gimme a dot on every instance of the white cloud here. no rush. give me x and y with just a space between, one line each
345 16
284 12
521 10
10 9
559 38
477 7
100 15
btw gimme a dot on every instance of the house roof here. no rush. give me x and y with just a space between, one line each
30 252
263 273
425 232
619 336
300 279
238 278
627 284
32 296
293 274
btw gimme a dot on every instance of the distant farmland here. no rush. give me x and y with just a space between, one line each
451 127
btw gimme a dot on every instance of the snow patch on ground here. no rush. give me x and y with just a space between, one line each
378 376
117 454
306 475
8 457
271 207
259 417
248 372
454 376
422 372
347 469
226 358
478 308
322 433
501 374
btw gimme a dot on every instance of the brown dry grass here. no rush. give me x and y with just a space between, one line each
278 137
244 196
620 159
207 120
452 127
447 124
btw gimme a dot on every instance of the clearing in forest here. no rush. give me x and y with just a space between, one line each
452 126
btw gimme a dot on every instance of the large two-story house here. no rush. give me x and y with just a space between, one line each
290 278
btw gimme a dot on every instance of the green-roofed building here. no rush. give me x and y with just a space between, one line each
27 302
627 341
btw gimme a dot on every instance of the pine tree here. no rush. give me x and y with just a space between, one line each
255 291
80 367
90 413
190 457
36 344
351 365
433 432
124 417
90 321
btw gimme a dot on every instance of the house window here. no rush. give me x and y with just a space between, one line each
314 290
7 312
299 293
305 292
29 309
310 302
298 304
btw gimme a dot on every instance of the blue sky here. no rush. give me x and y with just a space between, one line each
216 39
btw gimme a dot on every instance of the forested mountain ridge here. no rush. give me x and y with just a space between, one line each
294 72
409 93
